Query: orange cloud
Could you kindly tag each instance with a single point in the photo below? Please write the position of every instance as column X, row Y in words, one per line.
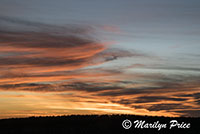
column 51, row 70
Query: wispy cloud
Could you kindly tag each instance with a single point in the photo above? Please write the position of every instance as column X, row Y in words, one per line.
column 61, row 61
column 48, row 48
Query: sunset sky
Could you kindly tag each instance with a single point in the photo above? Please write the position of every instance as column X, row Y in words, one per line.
column 99, row 57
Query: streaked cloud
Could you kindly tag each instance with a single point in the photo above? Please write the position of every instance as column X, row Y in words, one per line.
column 61, row 69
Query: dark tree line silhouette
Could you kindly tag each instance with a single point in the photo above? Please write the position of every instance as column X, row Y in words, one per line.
column 94, row 124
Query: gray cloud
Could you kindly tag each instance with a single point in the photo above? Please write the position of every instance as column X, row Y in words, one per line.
column 146, row 99
column 195, row 96
column 189, row 113
column 168, row 107
column 177, row 68
column 91, row 87
column 161, row 84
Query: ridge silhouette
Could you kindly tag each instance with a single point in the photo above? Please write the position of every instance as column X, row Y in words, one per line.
column 94, row 124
